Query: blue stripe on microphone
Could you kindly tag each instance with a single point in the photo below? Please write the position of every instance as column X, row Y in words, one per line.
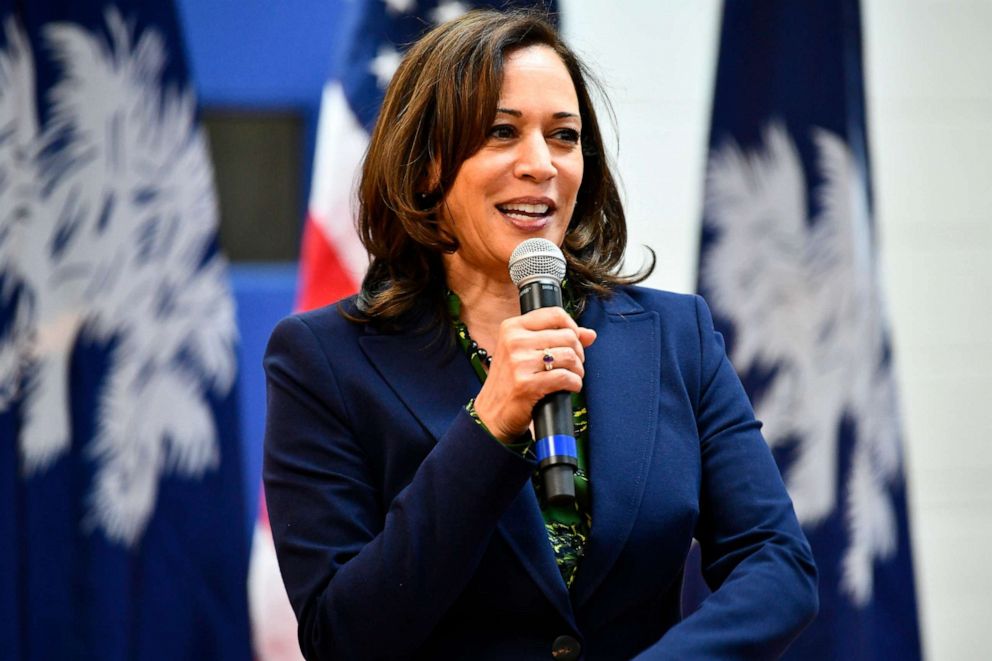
column 557, row 445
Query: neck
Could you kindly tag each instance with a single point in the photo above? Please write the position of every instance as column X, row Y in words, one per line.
column 486, row 303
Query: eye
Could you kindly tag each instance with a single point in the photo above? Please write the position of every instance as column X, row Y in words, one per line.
column 567, row 135
column 502, row 132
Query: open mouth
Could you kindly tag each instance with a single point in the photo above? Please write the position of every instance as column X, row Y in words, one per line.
column 526, row 212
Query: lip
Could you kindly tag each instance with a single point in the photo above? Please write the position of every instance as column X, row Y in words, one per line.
column 529, row 225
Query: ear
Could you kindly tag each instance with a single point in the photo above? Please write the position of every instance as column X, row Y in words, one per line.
column 433, row 182
column 428, row 192
column 427, row 200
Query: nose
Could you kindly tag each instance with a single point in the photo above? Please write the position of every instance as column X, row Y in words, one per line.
column 534, row 159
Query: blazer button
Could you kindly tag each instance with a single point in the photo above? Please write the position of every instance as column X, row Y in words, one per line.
column 565, row 648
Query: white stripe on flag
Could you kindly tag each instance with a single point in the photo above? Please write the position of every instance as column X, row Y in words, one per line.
column 341, row 144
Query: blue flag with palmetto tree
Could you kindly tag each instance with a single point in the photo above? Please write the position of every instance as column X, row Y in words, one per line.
column 788, row 263
column 122, row 528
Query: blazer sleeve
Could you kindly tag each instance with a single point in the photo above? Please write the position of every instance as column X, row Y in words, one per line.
column 755, row 556
column 369, row 580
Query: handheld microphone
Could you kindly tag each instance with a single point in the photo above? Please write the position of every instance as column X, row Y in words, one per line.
column 537, row 267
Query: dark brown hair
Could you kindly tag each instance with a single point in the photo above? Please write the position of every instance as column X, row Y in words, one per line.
column 437, row 113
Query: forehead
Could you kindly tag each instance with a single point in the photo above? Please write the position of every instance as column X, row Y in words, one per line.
column 537, row 68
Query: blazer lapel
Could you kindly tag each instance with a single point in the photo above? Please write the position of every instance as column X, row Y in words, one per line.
column 432, row 379
column 621, row 390
column 523, row 528
column 434, row 383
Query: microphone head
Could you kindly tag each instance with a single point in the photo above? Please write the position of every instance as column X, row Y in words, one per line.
column 536, row 258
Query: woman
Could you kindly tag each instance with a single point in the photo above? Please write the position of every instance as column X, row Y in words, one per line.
column 397, row 469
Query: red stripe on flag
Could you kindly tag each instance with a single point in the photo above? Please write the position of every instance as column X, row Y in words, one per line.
column 323, row 278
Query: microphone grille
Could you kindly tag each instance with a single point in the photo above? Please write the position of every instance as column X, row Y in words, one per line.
column 534, row 257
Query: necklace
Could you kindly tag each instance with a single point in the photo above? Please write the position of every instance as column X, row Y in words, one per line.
column 471, row 347
column 480, row 358
column 480, row 352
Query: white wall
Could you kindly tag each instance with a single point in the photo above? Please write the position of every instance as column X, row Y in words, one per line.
column 929, row 82
column 930, row 111
column 657, row 60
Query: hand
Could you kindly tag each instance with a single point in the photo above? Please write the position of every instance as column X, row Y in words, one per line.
column 517, row 377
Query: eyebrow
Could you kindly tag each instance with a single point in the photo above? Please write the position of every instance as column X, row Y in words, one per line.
column 517, row 113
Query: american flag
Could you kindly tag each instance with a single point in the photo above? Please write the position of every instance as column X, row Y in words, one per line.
column 369, row 48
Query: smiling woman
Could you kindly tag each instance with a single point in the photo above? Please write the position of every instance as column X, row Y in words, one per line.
column 524, row 179
column 399, row 475
column 445, row 105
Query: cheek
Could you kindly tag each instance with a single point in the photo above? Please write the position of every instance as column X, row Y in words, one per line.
column 577, row 172
column 575, row 180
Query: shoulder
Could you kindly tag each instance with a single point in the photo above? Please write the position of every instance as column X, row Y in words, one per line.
column 682, row 323
column 320, row 330
column 333, row 334
column 676, row 312
column 657, row 300
column 330, row 318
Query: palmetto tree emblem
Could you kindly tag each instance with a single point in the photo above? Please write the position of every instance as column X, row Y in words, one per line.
column 803, row 298
column 107, row 225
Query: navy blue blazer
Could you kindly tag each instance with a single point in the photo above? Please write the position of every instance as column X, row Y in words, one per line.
column 404, row 530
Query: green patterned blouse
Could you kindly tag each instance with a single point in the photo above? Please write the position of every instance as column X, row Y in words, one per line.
column 567, row 527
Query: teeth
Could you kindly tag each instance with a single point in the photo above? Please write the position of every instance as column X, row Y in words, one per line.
column 526, row 208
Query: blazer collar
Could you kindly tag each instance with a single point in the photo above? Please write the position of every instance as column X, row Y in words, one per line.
column 431, row 377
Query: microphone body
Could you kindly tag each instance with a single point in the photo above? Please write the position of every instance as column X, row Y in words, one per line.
column 554, row 431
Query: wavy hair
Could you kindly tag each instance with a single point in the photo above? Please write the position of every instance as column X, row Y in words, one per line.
column 437, row 112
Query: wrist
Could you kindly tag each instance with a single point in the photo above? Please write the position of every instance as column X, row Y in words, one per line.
column 500, row 435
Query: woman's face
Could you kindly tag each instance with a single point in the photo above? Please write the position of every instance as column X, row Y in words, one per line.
column 524, row 180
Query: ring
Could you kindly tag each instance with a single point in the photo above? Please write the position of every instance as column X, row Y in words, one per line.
column 549, row 360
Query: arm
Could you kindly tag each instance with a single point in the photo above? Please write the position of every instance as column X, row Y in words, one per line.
column 754, row 554
column 368, row 580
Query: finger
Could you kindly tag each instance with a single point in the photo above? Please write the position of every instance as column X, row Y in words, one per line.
column 561, row 337
column 586, row 336
column 530, row 362
column 560, row 358
column 545, row 318
column 556, row 380
column 525, row 342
